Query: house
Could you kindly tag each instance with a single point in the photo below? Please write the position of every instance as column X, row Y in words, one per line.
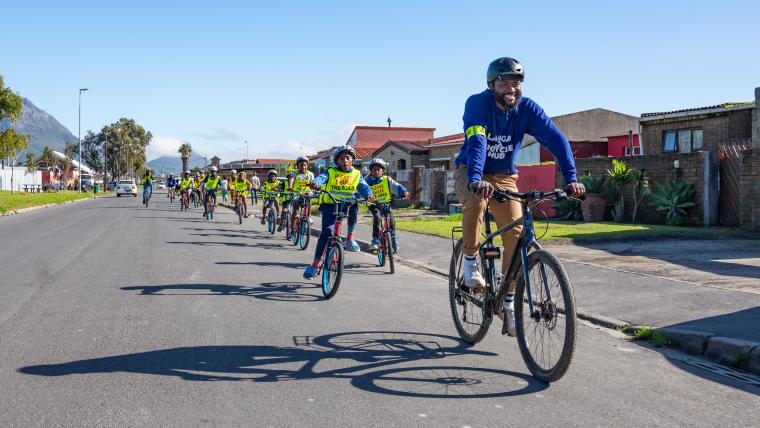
column 401, row 155
column 623, row 145
column 696, row 129
column 442, row 151
column 54, row 173
column 376, row 136
column 587, row 131
column 258, row 167
column 723, row 134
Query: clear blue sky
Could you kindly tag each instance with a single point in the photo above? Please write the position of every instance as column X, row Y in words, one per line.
column 286, row 75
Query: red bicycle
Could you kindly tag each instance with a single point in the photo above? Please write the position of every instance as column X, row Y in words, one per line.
column 302, row 226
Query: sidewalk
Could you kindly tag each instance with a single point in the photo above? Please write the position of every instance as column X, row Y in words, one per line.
column 721, row 323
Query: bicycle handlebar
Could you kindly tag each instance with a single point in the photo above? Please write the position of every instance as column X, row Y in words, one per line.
column 502, row 195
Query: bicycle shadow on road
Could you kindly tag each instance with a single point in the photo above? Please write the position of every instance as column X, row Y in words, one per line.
column 275, row 291
column 365, row 359
column 298, row 266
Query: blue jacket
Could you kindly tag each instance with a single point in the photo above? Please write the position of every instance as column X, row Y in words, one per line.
column 397, row 188
column 363, row 189
column 493, row 137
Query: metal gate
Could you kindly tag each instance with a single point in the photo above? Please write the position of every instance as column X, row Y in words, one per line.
column 729, row 202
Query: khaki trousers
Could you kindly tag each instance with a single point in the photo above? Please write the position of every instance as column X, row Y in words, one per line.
column 473, row 207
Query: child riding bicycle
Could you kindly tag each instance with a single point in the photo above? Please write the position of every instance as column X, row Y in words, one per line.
column 344, row 181
column 272, row 189
column 299, row 182
column 384, row 188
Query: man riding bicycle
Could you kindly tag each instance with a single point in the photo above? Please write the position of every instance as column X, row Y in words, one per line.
column 383, row 187
column 241, row 187
column 171, row 183
column 272, row 189
column 495, row 122
column 298, row 182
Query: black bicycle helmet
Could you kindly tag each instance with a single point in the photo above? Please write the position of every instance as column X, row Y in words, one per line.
column 343, row 149
column 505, row 68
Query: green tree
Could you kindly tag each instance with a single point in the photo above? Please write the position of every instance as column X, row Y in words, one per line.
column 68, row 160
column 619, row 176
column 185, row 150
column 11, row 146
column 118, row 149
column 48, row 158
column 11, row 143
column 31, row 166
column 10, row 103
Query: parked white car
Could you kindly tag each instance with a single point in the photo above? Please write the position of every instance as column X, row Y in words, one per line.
column 161, row 185
column 126, row 187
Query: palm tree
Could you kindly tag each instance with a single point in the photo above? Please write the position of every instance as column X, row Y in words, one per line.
column 185, row 150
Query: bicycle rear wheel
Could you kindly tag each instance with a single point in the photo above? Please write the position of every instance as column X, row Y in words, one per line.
column 382, row 251
column 287, row 226
column 332, row 270
column 547, row 336
column 296, row 233
column 305, row 233
column 239, row 210
column 388, row 247
column 468, row 307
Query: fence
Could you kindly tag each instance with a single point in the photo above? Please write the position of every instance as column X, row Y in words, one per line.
column 20, row 178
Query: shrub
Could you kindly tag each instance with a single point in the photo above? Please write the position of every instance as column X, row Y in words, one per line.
column 673, row 197
column 594, row 185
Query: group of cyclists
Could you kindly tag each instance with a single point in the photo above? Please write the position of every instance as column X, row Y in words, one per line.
column 495, row 124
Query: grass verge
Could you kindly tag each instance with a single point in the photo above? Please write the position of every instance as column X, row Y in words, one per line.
column 19, row 200
column 574, row 231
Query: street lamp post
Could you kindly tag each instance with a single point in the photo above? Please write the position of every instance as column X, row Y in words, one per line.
column 80, row 137
column 105, row 163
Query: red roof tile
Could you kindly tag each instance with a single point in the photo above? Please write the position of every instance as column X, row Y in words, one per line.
column 265, row 160
column 447, row 139
column 364, row 152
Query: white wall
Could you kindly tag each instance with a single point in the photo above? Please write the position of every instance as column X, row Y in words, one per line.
column 20, row 177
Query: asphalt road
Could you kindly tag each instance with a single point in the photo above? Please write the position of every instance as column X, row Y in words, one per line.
column 112, row 314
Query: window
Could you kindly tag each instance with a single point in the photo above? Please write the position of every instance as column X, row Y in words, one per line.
column 402, row 164
column 682, row 140
column 696, row 140
column 669, row 141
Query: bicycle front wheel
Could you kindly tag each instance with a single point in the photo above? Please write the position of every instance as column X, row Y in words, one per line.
column 547, row 335
column 388, row 247
column 468, row 307
column 305, row 233
column 332, row 271
column 271, row 221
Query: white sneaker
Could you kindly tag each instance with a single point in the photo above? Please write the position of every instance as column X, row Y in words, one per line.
column 509, row 322
column 472, row 277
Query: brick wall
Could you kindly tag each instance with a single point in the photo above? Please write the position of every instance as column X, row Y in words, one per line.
column 728, row 125
column 659, row 168
column 393, row 158
column 749, row 184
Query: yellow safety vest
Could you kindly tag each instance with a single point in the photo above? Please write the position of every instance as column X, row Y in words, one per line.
column 271, row 187
column 241, row 186
column 341, row 184
column 382, row 190
column 186, row 183
column 211, row 185
column 302, row 181
column 233, row 183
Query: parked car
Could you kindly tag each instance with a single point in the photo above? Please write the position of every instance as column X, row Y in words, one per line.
column 161, row 185
column 111, row 185
column 126, row 187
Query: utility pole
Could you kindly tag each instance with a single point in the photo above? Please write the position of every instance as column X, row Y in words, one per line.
column 80, row 138
column 105, row 163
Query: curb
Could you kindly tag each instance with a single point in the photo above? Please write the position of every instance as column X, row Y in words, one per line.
column 738, row 353
column 38, row 207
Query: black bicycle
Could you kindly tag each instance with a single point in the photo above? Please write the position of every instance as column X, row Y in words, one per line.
column 545, row 314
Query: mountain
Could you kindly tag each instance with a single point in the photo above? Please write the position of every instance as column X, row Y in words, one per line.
column 43, row 128
column 173, row 165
